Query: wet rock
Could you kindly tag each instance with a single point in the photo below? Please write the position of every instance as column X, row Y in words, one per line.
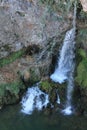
column 53, row 96
column 48, row 110
column 32, row 49
column 10, row 93
column 84, row 4
column 26, row 76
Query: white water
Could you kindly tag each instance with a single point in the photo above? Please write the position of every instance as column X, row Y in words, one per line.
column 34, row 99
column 66, row 66
column 65, row 61
column 58, row 99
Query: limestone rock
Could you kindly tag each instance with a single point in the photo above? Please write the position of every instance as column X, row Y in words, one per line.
column 26, row 76
column 84, row 5
column 26, row 22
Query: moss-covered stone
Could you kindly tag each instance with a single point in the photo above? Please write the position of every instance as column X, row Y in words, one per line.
column 35, row 75
column 81, row 77
column 50, row 88
column 10, row 92
column 47, row 86
column 54, row 89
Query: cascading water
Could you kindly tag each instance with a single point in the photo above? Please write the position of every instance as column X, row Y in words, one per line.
column 34, row 99
column 66, row 58
column 58, row 99
column 66, row 65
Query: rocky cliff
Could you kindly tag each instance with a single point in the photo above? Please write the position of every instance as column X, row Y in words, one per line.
column 31, row 33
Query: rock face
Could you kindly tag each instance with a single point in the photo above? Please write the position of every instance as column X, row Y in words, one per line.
column 84, row 4
column 26, row 22
column 31, row 32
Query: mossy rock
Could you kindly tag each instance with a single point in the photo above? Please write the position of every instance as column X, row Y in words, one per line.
column 82, row 53
column 10, row 92
column 47, row 86
column 11, row 58
column 34, row 75
column 30, row 76
column 13, row 87
column 81, row 77
column 53, row 89
column 53, row 96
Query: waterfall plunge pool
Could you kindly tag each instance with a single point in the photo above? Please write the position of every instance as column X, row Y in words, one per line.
column 12, row 119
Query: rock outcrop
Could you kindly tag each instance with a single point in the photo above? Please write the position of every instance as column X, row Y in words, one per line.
column 26, row 22
column 31, row 33
column 84, row 5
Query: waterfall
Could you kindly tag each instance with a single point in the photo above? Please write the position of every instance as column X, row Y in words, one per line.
column 34, row 99
column 66, row 58
column 65, row 66
column 58, row 99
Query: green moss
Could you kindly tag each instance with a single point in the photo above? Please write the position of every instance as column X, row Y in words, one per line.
column 82, row 36
column 81, row 77
column 10, row 92
column 11, row 58
column 13, row 88
column 52, row 89
column 83, row 15
column 34, row 75
column 82, row 53
column 46, row 86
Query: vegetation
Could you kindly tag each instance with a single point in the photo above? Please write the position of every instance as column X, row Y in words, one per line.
column 61, row 5
column 13, row 88
column 11, row 58
column 34, row 75
column 64, row 7
column 53, row 89
column 47, row 86
column 83, row 38
column 83, row 15
column 10, row 92
column 81, row 77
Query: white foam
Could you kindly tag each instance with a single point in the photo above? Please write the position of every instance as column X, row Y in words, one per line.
column 60, row 78
column 58, row 99
column 34, row 99
column 65, row 67
column 66, row 57
column 67, row 110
